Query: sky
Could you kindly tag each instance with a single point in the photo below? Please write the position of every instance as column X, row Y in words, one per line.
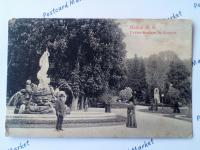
column 147, row 37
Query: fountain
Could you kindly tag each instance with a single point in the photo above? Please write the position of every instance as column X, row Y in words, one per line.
column 36, row 99
column 44, row 93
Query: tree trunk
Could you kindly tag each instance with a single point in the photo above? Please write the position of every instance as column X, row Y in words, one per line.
column 86, row 104
column 82, row 102
column 75, row 103
column 190, row 110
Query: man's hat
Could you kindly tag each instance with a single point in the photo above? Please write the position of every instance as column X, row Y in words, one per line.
column 61, row 93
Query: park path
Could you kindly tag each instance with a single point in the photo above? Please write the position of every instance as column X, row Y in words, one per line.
column 148, row 125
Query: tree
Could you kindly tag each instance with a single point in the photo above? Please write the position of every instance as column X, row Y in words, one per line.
column 125, row 94
column 88, row 53
column 136, row 77
column 173, row 94
column 177, row 73
column 28, row 38
column 155, row 74
column 75, row 84
column 178, row 76
column 102, row 57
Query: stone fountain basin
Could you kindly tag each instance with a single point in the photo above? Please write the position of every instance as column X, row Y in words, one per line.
column 75, row 119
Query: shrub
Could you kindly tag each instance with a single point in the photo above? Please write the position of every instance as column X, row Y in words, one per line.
column 106, row 98
column 125, row 94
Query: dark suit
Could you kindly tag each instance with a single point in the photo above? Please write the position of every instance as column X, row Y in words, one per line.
column 60, row 113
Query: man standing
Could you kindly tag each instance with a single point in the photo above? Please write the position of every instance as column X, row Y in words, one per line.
column 60, row 109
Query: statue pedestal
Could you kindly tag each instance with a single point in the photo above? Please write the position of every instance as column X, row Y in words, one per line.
column 42, row 102
column 42, row 96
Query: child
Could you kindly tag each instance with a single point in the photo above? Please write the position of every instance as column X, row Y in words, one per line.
column 60, row 109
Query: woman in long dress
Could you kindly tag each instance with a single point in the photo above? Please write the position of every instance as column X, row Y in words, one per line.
column 131, row 118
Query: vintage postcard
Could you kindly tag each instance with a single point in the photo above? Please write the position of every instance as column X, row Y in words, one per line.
column 99, row 78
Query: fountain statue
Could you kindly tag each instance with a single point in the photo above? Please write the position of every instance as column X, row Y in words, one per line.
column 36, row 98
column 42, row 74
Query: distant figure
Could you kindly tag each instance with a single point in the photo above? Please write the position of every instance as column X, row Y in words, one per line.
column 176, row 107
column 131, row 121
column 132, row 99
column 61, row 109
column 34, row 87
column 29, row 90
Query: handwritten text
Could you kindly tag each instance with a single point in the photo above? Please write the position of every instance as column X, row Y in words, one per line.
column 176, row 15
column 198, row 117
column 21, row 146
column 145, row 145
column 53, row 11
column 196, row 5
column 195, row 62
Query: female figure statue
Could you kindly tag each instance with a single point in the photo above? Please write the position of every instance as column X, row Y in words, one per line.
column 42, row 74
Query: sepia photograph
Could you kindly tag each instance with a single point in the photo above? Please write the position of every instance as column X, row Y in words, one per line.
column 116, row 78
